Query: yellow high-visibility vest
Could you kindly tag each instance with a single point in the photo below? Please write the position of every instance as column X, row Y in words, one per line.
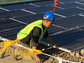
column 26, row 31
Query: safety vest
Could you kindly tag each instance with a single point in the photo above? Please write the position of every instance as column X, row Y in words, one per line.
column 26, row 31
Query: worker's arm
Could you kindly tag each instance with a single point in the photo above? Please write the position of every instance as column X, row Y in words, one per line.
column 36, row 56
column 35, row 34
column 50, row 40
column 46, row 36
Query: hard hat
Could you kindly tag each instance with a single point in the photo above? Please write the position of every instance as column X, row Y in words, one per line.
column 50, row 16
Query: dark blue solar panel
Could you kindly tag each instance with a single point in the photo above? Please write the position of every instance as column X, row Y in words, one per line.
column 17, row 7
column 43, row 4
column 11, row 14
column 31, row 18
column 70, row 22
column 80, row 1
column 2, row 11
column 69, row 5
column 70, row 40
column 42, row 9
column 67, row 1
column 82, row 6
column 11, row 33
column 82, row 14
column 8, row 24
column 53, row 29
column 70, row 12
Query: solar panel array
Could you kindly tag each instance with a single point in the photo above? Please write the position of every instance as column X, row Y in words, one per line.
column 68, row 29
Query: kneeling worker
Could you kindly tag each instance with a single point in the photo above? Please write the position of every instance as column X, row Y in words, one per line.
column 32, row 33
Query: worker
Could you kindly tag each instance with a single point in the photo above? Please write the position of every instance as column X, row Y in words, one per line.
column 55, row 4
column 32, row 33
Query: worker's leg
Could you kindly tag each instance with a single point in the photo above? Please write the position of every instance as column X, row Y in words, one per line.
column 27, row 57
column 15, row 50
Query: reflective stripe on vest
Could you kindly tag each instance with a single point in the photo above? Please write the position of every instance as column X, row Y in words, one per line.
column 26, row 31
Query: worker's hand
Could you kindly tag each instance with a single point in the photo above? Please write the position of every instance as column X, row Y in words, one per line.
column 57, row 44
column 54, row 8
column 37, row 59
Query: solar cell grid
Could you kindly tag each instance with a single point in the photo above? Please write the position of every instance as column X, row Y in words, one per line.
column 11, row 14
column 69, row 39
column 8, row 24
column 70, row 22
column 43, row 4
column 82, row 7
column 1, row 11
column 80, row 1
column 53, row 29
column 69, row 5
column 65, row 1
column 70, row 12
column 18, row 7
column 82, row 14
column 42, row 9
column 30, row 18
column 11, row 33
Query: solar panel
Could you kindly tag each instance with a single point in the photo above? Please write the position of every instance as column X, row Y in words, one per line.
column 11, row 33
column 69, row 5
column 2, row 10
column 70, row 22
column 42, row 9
column 43, row 4
column 30, row 18
column 69, row 12
column 65, row 1
column 53, row 29
column 82, row 14
column 70, row 40
column 8, row 24
column 80, row 1
column 82, row 7
column 13, row 14
column 18, row 7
